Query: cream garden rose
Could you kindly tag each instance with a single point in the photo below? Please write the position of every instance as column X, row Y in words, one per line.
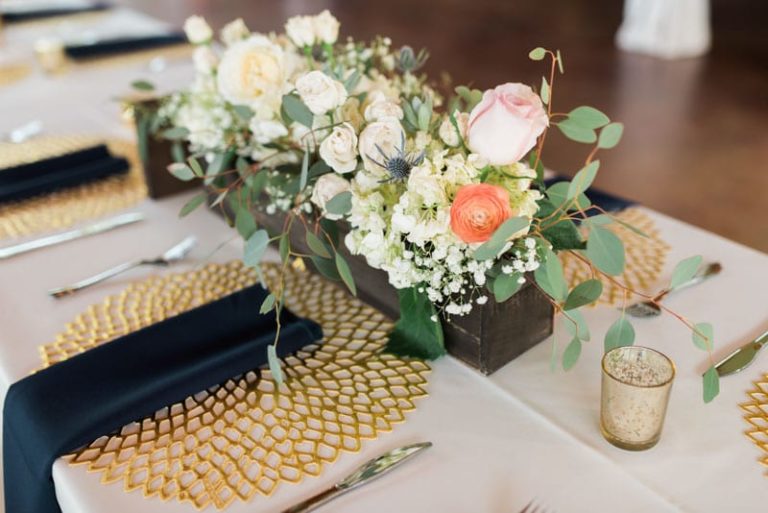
column 197, row 30
column 382, row 107
column 320, row 92
column 234, row 31
column 326, row 187
column 252, row 72
column 301, row 30
column 339, row 150
column 504, row 126
column 326, row 27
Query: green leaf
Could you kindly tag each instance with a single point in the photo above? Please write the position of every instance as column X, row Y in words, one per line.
column 537, row 54
column 606, row 251
column 284, row 247
column 685, row 270
column 610, row 136
column 192, row 204
column 544, row 91
column 346, row 274
column 340, row 204
column 304, row 170
column 318, row 168
column 619, row 334
column 471, row 96
column 268, row 304
column 243, row 112
column 142, row 85
column 557, row 193
column 255, row 247
column 583, row 179
column 559, row 62
column 297, row 111
column 326, row 267
column 243, row 167
column 571, row 354
column 707, row 341
column 581, row 329
column 245, row 223
column 274, row 364
column 588, row 117
column 176, row 133
column 425, row 114
column 584, row 294
column 181, row 171
column 505, row 286
column 351, row 82
column 177, row 152
column 711, row 384
column 563, row 235
column 576, row 132
column 549, row 276
column 492, row 247
column 415, row 334
column 317, row 246
column 195, row 166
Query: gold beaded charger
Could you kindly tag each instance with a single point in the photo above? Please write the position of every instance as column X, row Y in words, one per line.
column 756, row 415
column 64, row 208
column 645, row 257
column 246, row 437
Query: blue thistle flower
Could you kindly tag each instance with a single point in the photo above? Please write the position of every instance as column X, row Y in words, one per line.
column 400, row 164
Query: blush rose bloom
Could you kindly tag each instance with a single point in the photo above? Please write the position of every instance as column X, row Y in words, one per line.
column 504, row 126
column 478, row 210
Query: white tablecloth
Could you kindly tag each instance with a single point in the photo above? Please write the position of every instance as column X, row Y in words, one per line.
column 500, row 441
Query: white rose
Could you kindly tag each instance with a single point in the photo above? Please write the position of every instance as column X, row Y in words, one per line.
column 197, row 30
column 339, row 150
column 448, row 132
column 252, row 73
column 266, row 131
column 387, row 135
column 234, row 31
column 350, row 112
column 382, row 107
column 205, row 60
column 326, row 187
column 320, row 92
column 326, row 27
column 301, row 30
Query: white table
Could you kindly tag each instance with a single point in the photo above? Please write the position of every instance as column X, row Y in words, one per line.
column 499, row 441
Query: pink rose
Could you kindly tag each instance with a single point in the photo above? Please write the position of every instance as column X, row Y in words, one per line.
column 504, row 126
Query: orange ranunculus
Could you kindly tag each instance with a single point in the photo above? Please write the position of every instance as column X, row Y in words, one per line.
column 478, row 210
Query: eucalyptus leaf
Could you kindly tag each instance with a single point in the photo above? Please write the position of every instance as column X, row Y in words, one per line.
column 255, row 247
column 549, row 276
column 142, row 85
column 492, row 247
column 284, row 247
column 505, row 286
column 685, row 270
column 304, row 170
column 560, row 65
column 557, row 193
column 346, row 274
column 588, row 117
column 621, row 333
column 544, row 91
column 711, row 384
column 243, row 112
column 340, row 204
column 610, row 136
column 243, row 167
column 415, row 334
column 576, row 132
column 571, row 353
column 537, row 54
column 326, row 267
column 297, row 110
column 583, row 179
column 580, row 329
column 317, row 246
column 192, row 204
column 176, row 133
column 705, row 342
column 267, row 304
column 195, row 166
column 274, row 364
column 584, row 294
column 181, row 171
column 606, row 251
column 245, row 223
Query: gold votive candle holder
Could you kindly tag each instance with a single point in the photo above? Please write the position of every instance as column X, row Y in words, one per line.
column 635, row 392
column 50, row 54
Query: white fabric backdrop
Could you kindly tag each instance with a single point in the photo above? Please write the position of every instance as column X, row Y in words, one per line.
column 499, row 441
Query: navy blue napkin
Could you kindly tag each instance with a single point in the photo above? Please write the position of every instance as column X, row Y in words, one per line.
column 49, row 175
column 106, row 47
column 12, row 16
column 72, row 403
column 604, row 200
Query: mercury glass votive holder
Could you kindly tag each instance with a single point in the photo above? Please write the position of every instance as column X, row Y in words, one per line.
column 50, row 54
column 635, row 392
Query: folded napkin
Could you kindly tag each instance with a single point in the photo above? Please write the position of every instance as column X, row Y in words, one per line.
column 23, row 13
column 51, row 174
column 118, row 45
column 75, row 401
column 606, row 201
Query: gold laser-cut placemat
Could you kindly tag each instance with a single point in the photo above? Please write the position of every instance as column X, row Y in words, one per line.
column 645, row 257
column 243, row 439
column 67, row 207
column 756, row 415
column 12, row 73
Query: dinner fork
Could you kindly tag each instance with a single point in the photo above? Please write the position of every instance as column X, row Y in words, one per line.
column 176, row 253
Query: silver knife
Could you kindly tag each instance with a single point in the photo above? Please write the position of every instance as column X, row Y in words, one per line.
column 366, row 473
column 85, row 231
column 742, row 357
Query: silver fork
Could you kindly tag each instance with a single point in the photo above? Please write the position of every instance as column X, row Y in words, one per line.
column 532, row 507
column 650, row 309
column 176, row 253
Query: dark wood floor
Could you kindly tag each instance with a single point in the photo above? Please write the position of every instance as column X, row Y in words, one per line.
column 696, row 138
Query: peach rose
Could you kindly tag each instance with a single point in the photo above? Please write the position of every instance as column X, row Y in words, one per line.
column 478, row 210
column 504, row 126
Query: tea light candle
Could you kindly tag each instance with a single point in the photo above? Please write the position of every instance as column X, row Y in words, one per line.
column 635, row 391
column 50, row 54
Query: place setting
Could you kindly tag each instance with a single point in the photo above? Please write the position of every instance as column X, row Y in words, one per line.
column 324, row 276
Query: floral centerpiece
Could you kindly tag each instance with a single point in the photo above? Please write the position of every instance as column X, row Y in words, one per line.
column 444, row 193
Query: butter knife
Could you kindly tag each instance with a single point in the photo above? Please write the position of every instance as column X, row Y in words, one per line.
column 371, row 470
column 85, row 231
column 742, row 357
